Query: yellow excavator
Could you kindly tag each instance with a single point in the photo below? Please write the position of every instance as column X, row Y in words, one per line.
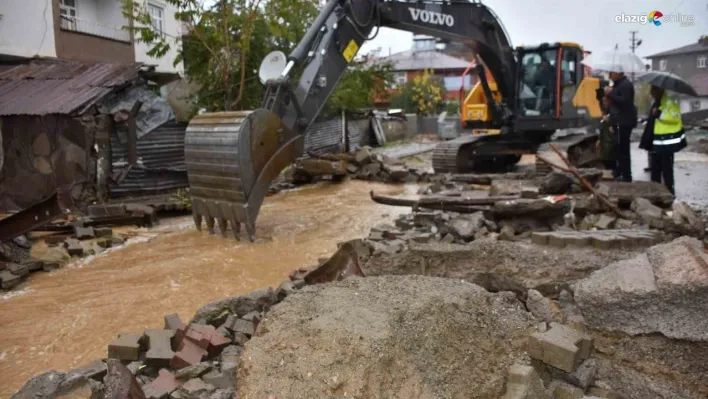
column 531, row 92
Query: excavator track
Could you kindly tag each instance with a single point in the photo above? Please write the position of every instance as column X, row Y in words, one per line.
column 232, row 157
column 475, row 153
column 447, row 156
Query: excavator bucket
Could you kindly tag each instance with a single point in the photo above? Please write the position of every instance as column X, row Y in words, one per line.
column 232, row 157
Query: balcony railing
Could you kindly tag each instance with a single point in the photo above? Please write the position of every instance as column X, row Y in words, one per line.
column 93, row 28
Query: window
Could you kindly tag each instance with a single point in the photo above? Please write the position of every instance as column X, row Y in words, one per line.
column 401, row 78
column 67, row 12
column 702, row 61
column 695, row 105
column 156, row 17
column 662, row 65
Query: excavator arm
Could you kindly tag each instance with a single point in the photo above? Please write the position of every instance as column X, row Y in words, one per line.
column 232, row 158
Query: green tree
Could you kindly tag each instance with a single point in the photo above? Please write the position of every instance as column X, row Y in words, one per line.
column 360, row 85
column 225, row 43
column 422, row 95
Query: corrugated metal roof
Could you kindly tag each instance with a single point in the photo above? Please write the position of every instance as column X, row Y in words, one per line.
column 44, row 87
column 691, row 48
column 418, row 60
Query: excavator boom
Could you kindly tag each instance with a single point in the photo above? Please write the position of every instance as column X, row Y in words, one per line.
column 233, row 157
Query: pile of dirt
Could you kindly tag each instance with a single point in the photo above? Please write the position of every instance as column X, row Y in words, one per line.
column 407, row 337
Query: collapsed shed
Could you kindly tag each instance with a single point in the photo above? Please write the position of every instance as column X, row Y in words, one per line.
column 66, row 126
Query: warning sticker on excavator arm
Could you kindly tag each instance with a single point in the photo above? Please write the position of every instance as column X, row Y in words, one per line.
column 350, row 51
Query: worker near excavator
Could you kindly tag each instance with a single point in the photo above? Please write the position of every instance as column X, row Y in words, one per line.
column 668, row 136
column 623, row 118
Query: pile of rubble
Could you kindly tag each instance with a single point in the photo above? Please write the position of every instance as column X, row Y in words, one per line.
column 362, row 164
column 83, row 236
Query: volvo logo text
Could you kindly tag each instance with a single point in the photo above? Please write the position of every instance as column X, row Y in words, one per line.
column 431, row 17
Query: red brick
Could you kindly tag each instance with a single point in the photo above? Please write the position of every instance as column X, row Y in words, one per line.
column 173, row 322
column 197, row 337
column 189, row 354
column 163, row 385
column 218, row 342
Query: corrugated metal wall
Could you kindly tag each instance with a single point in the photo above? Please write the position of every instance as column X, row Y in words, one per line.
column 162, row 155
column 327, row 137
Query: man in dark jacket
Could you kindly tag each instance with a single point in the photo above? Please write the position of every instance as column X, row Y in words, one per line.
column 623, row 118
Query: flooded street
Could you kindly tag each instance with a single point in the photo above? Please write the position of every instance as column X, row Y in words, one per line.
column 65, row 319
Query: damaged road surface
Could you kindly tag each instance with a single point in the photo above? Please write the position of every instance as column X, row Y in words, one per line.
column 65, row 319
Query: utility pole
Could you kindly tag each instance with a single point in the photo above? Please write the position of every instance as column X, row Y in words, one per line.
column 635, row 43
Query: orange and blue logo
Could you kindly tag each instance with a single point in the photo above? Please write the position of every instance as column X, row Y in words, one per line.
column 654, row 17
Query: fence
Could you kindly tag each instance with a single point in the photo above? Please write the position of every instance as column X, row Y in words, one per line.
column 74, row 24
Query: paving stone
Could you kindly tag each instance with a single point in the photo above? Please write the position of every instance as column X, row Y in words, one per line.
column 173, row 322
column 197, row 338
column 524, row 383
column 18, row 270
column 95, row 370
column 218, row 342
column 103, row 231
column 540, row 238
column 84, row 233
column 9, row 280
column 73, row 246
column 566, row 391
column 33, row 265
column 50, row 266
column 188, row 354
column 252, row 315
column 126, row 347
column 162, row 386
column 159, row 343
column 106, row 210
column 561, row 347
column 238, row 325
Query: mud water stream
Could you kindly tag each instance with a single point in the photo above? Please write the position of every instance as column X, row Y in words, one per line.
column 65, row 319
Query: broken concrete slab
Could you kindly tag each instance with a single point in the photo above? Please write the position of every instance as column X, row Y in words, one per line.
column 604, row 239
column 8, row 280
column 33, row 265
column 542, row 308
column 126, row 347
column 101, row 232
column 506, row 187
column 465, row 226
column 561, row 347
column 664, row 290
column 159, row 343
column 218, row 379
column 95, row 370
column 18, row 270
column 625, row 192
column 194, row 371
column 539, row 208
column 74, row 247
column 240, row 305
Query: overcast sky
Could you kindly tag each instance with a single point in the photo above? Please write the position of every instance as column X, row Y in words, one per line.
column 591, row 23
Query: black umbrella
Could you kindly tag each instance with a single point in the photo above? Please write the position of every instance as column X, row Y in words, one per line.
column 668, row 81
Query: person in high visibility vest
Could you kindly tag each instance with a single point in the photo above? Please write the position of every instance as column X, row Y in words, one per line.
column 669, row 137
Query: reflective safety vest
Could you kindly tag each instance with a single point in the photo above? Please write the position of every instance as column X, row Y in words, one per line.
column 669, row 135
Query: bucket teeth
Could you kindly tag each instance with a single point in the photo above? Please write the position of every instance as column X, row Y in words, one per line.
column 197, row 221
column 210, row 224
column 222, row 226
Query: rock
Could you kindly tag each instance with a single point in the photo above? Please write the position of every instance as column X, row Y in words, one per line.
column 465, row 226
column 524, row 383
column 687, row 220
column 195, row 388
column 240, row 305
column 22, row 242
column 562, row 390
column 623, row 224
column 542, row 308
column 163, row 385
column 448, row 239
column 506, row 187
column 120, row 382
column 218, row 379
column 103, row 232
column 605, row 221
column 223, row 394
column 571, row 311
column 646, row 210
column 194, row 371
column 664, row 290
column 95, row 370
column 470, row 325
column 556, row 183
column 286, row 288
column 55, row 384
column 363, row 156
column 507, row 233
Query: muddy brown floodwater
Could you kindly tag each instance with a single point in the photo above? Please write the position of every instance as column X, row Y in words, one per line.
column 65, row 319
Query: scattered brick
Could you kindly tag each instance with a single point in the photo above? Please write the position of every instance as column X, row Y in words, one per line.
column 524, row 383
column 162, row 386
column 126, row 347
column 218, row 342
column 103, row 232
column 84, row 233
column 9, row 280
column 189, row 354
column 561, row 347
column 173, row 322
column 106, row 210
column 18, row 270
column 33, row 265
column 73, row 246
column 159, row 343
column 198, row 337
column 50, row 266
column 242, row 326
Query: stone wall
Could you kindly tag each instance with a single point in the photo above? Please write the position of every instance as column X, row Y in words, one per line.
column 43, row 153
